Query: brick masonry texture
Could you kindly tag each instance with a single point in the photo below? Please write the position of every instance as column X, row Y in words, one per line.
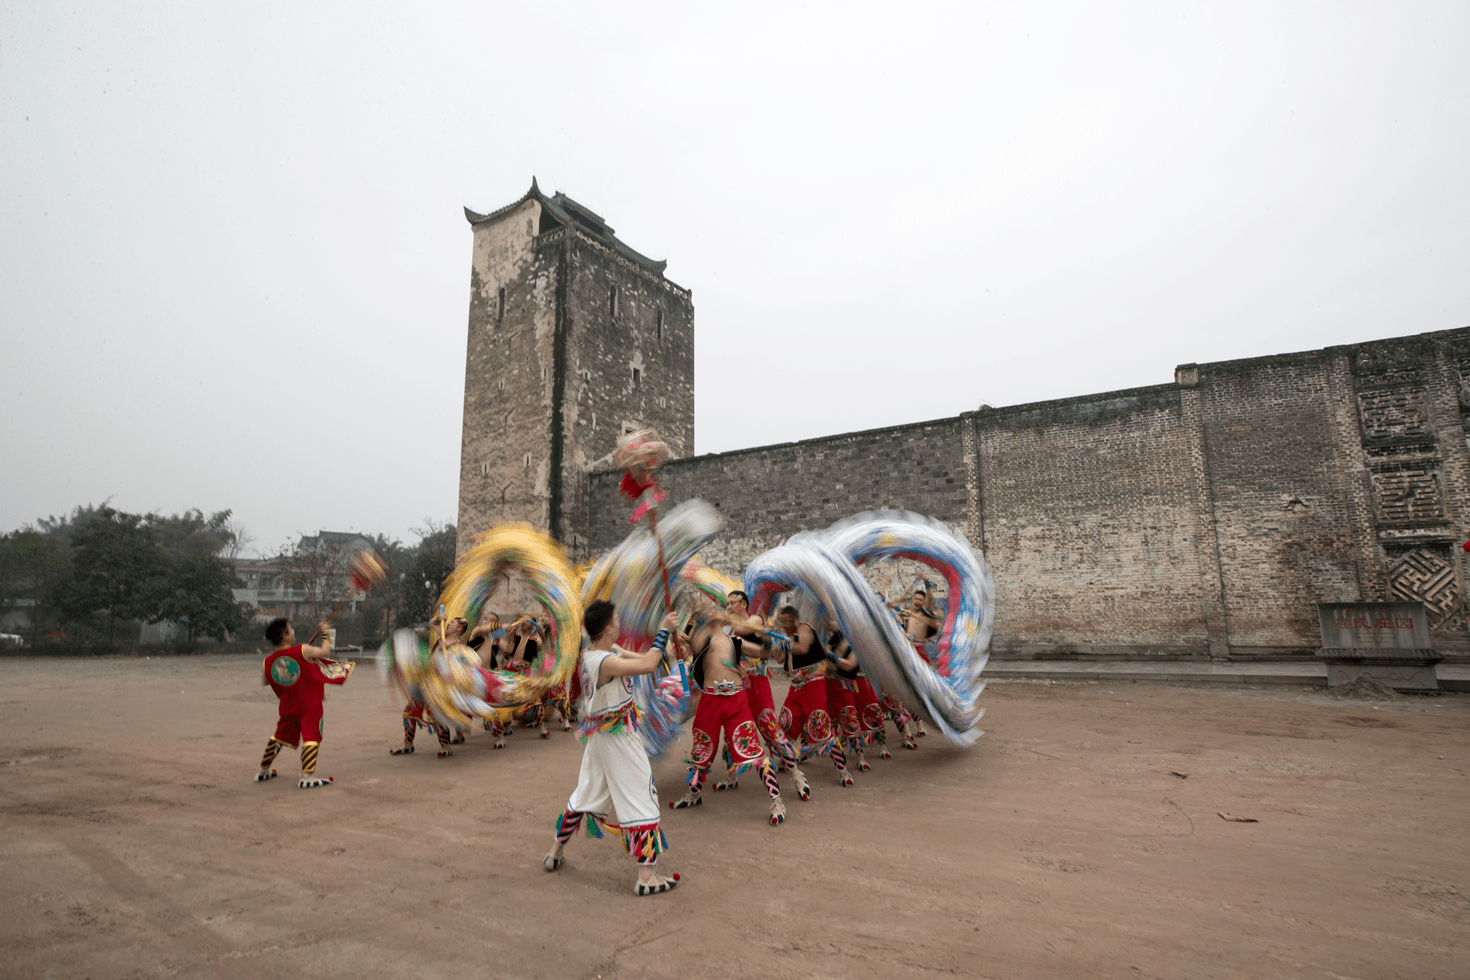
column 1200, row 518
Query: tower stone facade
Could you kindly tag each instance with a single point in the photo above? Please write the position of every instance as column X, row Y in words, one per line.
column 574, row 339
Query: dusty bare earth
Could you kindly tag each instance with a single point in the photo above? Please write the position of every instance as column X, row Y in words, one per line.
column 1080, row 838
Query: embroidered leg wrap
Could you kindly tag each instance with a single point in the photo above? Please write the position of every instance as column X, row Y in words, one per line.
column 839, row 758
column 443, row 733
column 566, row 825
column 308, row 758
column 645, row 844
column 408, row 730
column 697, row 776
column 768, row 776
column 271, row 748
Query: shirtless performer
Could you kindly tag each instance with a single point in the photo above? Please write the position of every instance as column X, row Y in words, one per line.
column 919, row 624
column 805, row 714
column 754, row 663
column 723, row 704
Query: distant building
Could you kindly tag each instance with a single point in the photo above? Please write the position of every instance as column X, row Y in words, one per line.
column 574, row 340
column 273, row 589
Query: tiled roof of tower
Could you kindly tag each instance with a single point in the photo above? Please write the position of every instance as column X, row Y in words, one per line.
column 565, row 211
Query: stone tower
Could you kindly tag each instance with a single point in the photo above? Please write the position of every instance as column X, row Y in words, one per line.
column 574, row 339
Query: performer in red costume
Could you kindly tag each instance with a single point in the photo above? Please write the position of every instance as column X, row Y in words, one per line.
column 723, row 705
column 754, row 664
column 842, row 696
column 805, row 713
column 297, row 673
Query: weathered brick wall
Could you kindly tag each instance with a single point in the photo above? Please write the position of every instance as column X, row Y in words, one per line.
column 772, row 492
column 1280, row 497
column 652, row 333
column 505, row 442
column 1089, row 526
column 1205, row 517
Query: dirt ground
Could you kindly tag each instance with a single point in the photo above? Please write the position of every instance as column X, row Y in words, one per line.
column 1079, row 838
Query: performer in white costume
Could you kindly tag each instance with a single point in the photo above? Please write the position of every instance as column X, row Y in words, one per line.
column 616, row 780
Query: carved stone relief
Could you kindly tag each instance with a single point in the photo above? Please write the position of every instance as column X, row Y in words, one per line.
column 1428, row 575
column 1395, row 413
column 1409, row 494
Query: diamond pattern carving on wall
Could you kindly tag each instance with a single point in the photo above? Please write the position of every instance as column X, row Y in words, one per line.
column 1428, row 576
column 1409, row 494
column 1394, row 414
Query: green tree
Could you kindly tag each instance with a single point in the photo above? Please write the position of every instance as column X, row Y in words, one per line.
column 118, row 569
column 199, row 594
column 433, row 560
column 192, row 533
column 34, row 572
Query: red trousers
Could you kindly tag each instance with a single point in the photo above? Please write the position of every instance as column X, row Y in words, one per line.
column 730, row 712
column 805, row 713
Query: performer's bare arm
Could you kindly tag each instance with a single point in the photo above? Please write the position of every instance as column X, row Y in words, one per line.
column 320, row 652
column 638, row 663
column 802, row 642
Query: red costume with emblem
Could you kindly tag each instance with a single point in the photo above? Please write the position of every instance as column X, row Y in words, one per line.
column 300, row 685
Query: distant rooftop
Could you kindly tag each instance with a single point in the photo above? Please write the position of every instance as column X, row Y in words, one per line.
column 558, row 211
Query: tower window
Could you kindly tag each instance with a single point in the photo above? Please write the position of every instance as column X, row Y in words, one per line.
column 658, row 324
column 637, row 377
column 500, row 306
column 612, row 301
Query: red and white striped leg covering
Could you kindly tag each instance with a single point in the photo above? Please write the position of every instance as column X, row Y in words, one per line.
column 567, row 824
column 768, row 776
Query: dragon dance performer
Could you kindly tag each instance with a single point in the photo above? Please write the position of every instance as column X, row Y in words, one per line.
column 842, row 694
column 415, row 714
column 919, row 625
column 616, row 778
column 724, row 705
column 754, row 664
column 297, row 672
column 805, row 714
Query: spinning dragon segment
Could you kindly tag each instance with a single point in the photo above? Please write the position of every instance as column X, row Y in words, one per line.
column 450, row 681
column 630, row 577
column 825, row 565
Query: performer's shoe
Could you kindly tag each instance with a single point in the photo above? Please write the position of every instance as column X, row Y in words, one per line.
column 499, row 744
column 885, row 754
column 545, row 733
column 552, row 863
column 401, row 750
column 922, row 733
column 778, row 812
column 457, row 739
column 729, row 782
column 803, row 787
column 566, row 726
column 686, row 801
column 445, row 753
column 313, row 782
column 843, row 779
column 665, row 885
column 262, row 776
column 909, row 743
column 863, row 765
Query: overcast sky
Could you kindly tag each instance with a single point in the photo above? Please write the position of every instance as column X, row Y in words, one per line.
column 234, row 265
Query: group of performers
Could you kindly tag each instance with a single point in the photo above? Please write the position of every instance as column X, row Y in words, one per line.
column 632, row 694
column 830, row 709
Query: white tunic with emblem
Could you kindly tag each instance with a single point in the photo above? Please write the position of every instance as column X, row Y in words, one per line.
column 616, row 778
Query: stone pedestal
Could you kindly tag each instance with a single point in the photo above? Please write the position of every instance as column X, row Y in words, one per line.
column 1387, row 641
